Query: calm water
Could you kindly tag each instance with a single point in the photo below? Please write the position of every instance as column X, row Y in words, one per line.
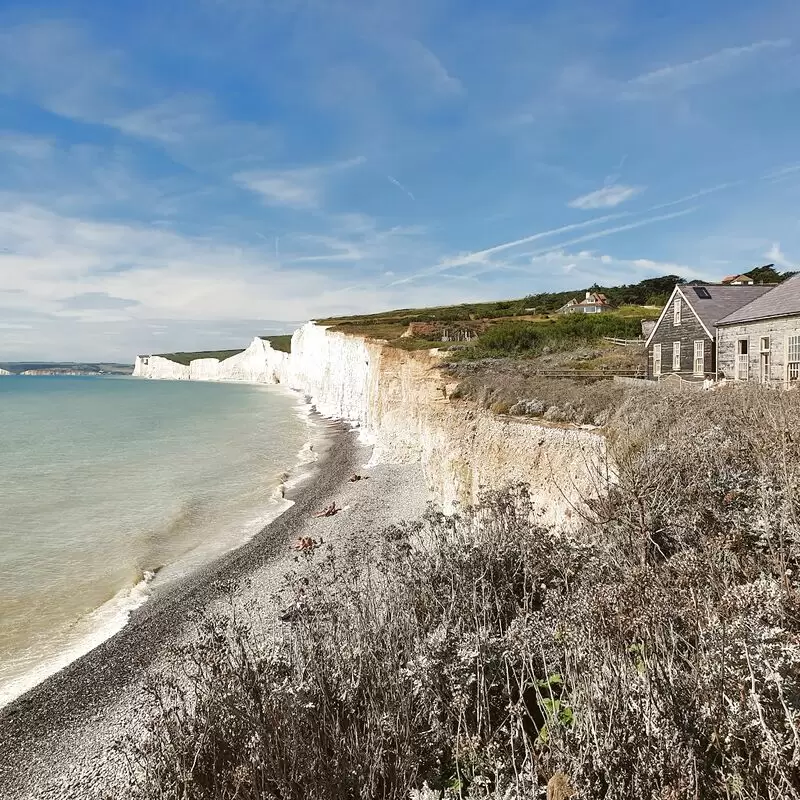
column 104, row 481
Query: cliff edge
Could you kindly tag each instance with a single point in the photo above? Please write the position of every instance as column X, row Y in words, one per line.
column 401, row 402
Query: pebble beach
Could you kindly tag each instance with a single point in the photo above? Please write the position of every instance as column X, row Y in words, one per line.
column 58, row 740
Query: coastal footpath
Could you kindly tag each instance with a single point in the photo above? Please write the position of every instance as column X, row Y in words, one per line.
column 403, row 406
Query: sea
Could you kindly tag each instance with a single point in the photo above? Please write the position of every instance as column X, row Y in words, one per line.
column 112, row 486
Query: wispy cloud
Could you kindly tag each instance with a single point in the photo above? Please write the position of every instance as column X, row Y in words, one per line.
column 483, row 262
column 597, row 235
column 25, row 146
column 777, row 256
column 431, row 71
column 400, row 186
column 676, row 77
column 294, row 188
column 695, row 195
column 607, row 197
column 782, row 173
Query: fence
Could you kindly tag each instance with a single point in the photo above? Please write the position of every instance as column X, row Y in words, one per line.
column 625, row 342
column 590, row 373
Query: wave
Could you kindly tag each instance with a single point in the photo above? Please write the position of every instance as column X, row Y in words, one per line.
column 159, row 559
column 85, row 635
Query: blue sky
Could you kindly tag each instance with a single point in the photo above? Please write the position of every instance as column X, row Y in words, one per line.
column 181, row 174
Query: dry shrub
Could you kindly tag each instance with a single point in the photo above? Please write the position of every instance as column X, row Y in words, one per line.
column 522, row 392
column 656, row 655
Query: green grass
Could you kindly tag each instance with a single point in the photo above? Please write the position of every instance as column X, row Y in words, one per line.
column 523, row 338
column 186, row 358
column 282, row 342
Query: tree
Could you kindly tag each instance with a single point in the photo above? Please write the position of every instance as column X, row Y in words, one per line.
column 766, row 274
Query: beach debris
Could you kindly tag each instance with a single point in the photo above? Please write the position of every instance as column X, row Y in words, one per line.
column 356, row 477
column 329, row 511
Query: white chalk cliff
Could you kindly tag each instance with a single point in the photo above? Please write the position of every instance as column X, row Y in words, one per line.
column 5, row 372
column 400, row 401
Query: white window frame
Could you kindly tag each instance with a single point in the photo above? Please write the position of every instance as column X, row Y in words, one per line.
column 793, row 358
column 765, row 359
column 657, row 360
column 676, row 356
column 742, row 360
column 699, row 358
column 677, row 309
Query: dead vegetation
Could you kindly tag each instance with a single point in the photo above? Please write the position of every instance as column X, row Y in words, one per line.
column 508, row 386
column 654, row 655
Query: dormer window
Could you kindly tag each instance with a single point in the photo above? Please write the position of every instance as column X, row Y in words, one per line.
column 676, row 312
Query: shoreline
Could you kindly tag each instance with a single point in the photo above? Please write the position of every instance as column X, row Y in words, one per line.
column 41, row 730
column 117, row 611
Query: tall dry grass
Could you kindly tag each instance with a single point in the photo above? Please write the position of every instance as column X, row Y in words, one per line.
column 654, row 655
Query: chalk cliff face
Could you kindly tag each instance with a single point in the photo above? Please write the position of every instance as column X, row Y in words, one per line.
column 259, row 363
column 4, row 372
column 400, row 401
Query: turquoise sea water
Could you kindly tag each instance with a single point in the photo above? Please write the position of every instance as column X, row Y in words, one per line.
column 105, row 481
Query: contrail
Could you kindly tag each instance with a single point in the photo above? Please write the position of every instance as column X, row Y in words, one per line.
column 400, row 186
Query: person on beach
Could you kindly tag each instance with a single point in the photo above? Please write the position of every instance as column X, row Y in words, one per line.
column 329, row 511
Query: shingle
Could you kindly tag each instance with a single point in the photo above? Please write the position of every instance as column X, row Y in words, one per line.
column 782, row 300
column 722, row 300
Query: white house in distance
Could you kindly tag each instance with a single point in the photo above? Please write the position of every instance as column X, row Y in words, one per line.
column 761, row 340
column 593, row 303
column 737, row 280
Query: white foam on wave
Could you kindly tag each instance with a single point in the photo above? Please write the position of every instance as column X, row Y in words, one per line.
column 104, row 622
column 89, row 632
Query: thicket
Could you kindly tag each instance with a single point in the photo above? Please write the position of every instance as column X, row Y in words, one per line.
column 567, row 332
column 653, row 653
column 651, row 291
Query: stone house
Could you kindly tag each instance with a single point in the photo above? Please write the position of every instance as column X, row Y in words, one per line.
column 683, row 340
column 760, row 341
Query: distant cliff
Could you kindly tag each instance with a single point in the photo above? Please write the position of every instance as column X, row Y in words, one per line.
column 401, row 402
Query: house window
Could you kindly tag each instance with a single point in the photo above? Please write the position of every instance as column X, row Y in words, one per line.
column 699, row 357
column 676, row 312
column 742, row 360
column 656, row 360
column 764, row 360
column 793, row 358
column 676, row 355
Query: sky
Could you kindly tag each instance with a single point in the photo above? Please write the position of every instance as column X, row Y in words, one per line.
column 185, row 174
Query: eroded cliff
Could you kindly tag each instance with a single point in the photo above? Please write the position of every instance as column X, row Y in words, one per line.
column 401, row 402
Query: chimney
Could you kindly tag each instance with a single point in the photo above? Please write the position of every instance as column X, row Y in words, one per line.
column 588, row 295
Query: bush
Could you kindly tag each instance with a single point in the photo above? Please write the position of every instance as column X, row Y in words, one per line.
column 567, row 332
column 655, row 654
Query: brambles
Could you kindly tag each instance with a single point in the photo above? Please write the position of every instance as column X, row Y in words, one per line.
column 655, row 655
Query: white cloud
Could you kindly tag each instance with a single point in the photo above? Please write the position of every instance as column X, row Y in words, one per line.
column 294, row 188
column 607, row 197
column 777, row 257
column 432, row 73
column 676, row 77
column 25, row 146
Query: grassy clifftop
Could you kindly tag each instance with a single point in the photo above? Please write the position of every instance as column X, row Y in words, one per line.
column 186, row 358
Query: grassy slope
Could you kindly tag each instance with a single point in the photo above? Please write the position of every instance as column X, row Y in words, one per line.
column 282, row 342
column 185, row 358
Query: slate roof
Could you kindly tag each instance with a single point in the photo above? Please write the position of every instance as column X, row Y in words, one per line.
column 721, row 301
column 782, row 300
